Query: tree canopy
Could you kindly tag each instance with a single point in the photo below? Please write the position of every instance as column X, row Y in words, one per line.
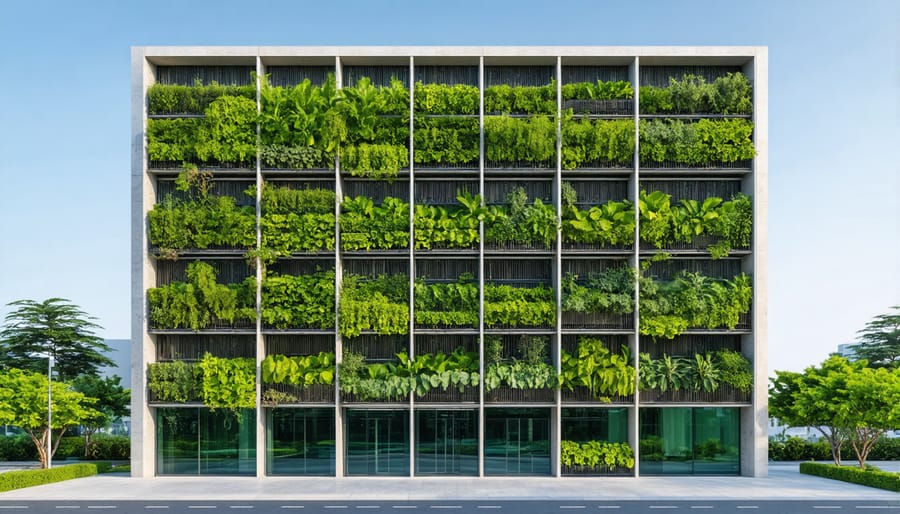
column 23, row 403
column 112, row 403
column 880, row 340
column 55, row 327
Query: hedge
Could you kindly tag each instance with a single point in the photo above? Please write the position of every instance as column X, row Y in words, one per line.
column 103, row 447
column 796, row 448
column 868, row 477
column 19, row 479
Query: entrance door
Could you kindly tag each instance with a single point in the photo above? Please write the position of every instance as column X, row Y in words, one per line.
column 446, row 442
column 377, row 442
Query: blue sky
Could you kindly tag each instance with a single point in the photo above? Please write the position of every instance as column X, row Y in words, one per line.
column 833, row 180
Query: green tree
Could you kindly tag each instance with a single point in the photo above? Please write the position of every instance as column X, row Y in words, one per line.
column 868, row 406
column 880, row 340
column 23, row 403
column 55, row 327
column 112, row 402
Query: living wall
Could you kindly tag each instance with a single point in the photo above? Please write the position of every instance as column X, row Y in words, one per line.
column 217, row 382
column 379, row 304
column 201, row 302
column 437, row 226
column 603, row 373
column 526, row 368
column 609, row 291
column 297, row 220
column 599, row 456
column 367, row 226
column 446, row 304
column 520, row 222
column 731, row 94
column 704, row 372
column 299, row 301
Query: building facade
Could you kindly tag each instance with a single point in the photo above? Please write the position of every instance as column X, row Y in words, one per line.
column 427, row 261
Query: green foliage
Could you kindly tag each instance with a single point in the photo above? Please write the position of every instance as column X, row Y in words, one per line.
column 301, row 123
column 600, row 90
column 796, row 448
column 174, row 382
column 692, row 300
column 505, row 305
column 395, row 380
column 880, row 340
column 172, row 139
column 179, row 99
column 607, row 142
column 449, row 227
column 297, row 220
column 111, row 404
column 735, row 370
column 602, row 372
column 520, row 140
column 301, row 371
column 366, row 226
column 520, row 223
column 530, row 372
column 52, row 327
column 611, row 223
column 521, row 99
column 446, row 99
column 696, row 143
column 301, row 301
column 446, row 141
column 705, row 372
column 376, row 161
column 446, row 304
column 731, row 94
column 31, row 477
column 667, row 373
column 228, row 383
column 228, row 133
column 879, row 479
column 19, row 448
column 294, row 157
column 376, row 147
column 459, row 369
column 201, row 301
column 378, row 304
column 611, row 290
column 596, row 455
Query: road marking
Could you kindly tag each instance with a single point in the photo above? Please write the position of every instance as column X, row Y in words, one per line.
column 13, row 506
column 701, row 506
column 490, row 507
column 446, row 506
column 101, row 506
column 609, row 506
column 68, row 507
column 201, row 506
column 406, row 506
column 335, row 506
column 571, row 506
column 748, row 506
column 827, row 506
column 156, row 506
column 663, row 506
column 240, row 506
column 368, row 506
column 292, row 506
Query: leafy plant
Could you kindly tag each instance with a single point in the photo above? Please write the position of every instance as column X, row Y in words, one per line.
column 611, row 290
column 730, row 94
column 375, row 147
column 446, row 141
column 735, row 370
column 201, row 301
column 446, row 304
column 587, row 142
column 521, row 99
column 611, row 223
column 172, row 139
column 459, row 369
column 174, row 382
column 530, row 372
column 300, row 121
column 520, row 223
column 600, row 90
column 295, row 220
column 596, row 454
column 667, row 373
column 366, row 226
column 302, row 301
column 505, row 305
column 302, row 371
column 446, row 99
column 696, row 144
column 193, row 99
column 602, row 372
column 228, row 383
column 517, row 141
column 228, row 133
column 374, row 381
column 380, row 305
column 453, row 227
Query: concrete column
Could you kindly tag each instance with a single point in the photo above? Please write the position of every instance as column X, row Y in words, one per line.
column 634, row 184
column 412, row 262
column 556, row 418
column 481, row 268
column 338, row 278
column 260, row 343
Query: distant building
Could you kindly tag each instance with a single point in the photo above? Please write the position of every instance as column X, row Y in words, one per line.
column 847, row 350
column 120, row 354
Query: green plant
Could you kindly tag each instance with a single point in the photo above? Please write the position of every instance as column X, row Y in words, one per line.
column 228, row 133
column 596, row 454
column 172, row 139
column 730, row 94
column 429, row 371
column 521, row 99
column 446, row 304
column 301, row 371
column 518, row 222
column 600, row 90
column 366, row 226
column 446, row 141
column 32, row 477
column 446, row 99
column 602, row 372
column 505, row 305
column 878, row 479
column 201, row 301
column 378, row 304
column 705, row 373
column 375, row 147
column 299, row 301
column 530, row 372
column 295, row 220
column 520, row 140
column 174, row 382
column 454, row 227
column 611, row 223
column 193, row 99
column 375, row 381
column 667, row 373
column 611, row 290
column 587, row 142
column 735, row 370
column 696, row 144
column 228, row 383
column 300, row 127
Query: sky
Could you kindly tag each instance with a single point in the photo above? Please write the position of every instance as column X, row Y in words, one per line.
column 834, row 81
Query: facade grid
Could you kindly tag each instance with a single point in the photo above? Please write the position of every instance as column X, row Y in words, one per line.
column 472, row 420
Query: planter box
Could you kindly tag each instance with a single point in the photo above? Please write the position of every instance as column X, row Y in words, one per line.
column 624, row 106
column 724, row 394
column 316, row 393
column 352, row 398
column 593, row 247
column 582, row 395
column 736, row 165
column 449, row 395
column 506, row 394
column 586, row 471
column 597, row 320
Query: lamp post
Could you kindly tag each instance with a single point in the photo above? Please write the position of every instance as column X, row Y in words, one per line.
column 49, row 410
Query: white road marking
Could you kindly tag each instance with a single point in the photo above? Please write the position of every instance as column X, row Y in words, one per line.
column 13, row 506
column 406, row 506
column 68, row 507
column 368, row 507
column 335, row 506
column 827, row 506
column 490, row 507
column 156, row 506
column 663, row 506
column 240, row 506
column 101, row 506
column 446, row 506
column 701, row 506
column 201, row 506
column 609, row 506
column 292, row 506
column 571, row 506
column 748, row 506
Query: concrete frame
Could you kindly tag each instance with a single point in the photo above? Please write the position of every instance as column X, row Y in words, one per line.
column 754, row 62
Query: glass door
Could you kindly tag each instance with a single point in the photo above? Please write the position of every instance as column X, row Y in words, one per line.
column 446, row 442
column 377, row 442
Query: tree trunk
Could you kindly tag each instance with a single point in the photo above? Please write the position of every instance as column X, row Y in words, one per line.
column 88, row 433
column 836, row 438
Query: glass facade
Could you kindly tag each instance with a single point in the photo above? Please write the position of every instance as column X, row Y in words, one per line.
column 447, row 442
column 300, row 442
column 377, row 442
column 201, row 441
column 690, row 441
column 517, row 441
column 584, row 424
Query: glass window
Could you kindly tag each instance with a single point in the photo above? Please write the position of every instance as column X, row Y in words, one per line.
column 300, row 441
column 447, row 442
column 517, row 442
column 685, row 440
column 377, row 442
column 201, row 441
column 585, row 424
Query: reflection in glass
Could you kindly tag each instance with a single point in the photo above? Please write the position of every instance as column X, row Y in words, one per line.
column 447, row 442
column 591, row 424
column 517, row 441
column 300, row 441
column 685, row 440
column 201, row 441
column 377, row 442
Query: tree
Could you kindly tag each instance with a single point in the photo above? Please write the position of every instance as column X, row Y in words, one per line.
column 880, row 340
column 23, row 403
column 844, row 400
column 112, row 402
column 54, row 327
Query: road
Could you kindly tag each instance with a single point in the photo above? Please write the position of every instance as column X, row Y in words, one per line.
column 517, row 507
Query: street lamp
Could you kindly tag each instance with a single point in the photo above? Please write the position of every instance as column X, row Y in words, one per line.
column 49, row 410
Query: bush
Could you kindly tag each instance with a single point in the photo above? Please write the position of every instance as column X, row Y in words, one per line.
column 886, row 449
column 17, row 448
column 796, row 448
column 109, row 448
column 19, row 479
column 70, row 447
column 871, row 478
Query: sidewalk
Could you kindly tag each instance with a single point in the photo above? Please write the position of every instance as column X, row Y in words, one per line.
column 784, row 483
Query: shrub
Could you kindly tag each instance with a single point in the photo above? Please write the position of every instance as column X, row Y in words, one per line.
column 17, row 448
column 871, row 478
column 19, row 479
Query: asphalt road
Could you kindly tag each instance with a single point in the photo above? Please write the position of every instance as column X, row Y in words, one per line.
column 517, row 507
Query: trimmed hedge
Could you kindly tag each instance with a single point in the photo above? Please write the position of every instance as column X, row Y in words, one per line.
column 868, row 477
column 19, row 479
column 103, row 447
column 796, row 448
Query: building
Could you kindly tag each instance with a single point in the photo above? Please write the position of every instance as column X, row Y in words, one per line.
column 847, row 350
column 453, row 195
